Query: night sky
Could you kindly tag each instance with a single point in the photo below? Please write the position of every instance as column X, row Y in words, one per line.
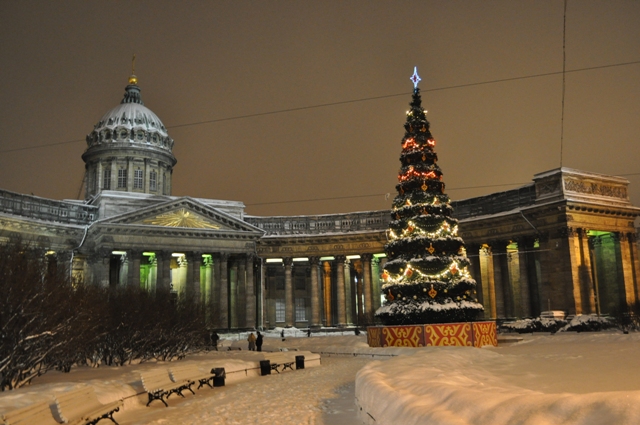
column 232, row 64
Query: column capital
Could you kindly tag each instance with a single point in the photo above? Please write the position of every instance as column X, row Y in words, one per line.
column 314, row 260
column 288, row 261
column 224, row 256
column 366, row 257
column 340, row 258
column 498, row 245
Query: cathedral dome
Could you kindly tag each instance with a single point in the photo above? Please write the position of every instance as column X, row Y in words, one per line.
column 129, row 150
column 131, row 122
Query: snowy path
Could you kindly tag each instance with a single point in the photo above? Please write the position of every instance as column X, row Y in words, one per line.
column 288, row 398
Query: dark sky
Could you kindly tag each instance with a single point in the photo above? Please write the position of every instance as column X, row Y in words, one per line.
column 64, row 64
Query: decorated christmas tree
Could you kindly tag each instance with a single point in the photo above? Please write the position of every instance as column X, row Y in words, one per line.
column 425, row 279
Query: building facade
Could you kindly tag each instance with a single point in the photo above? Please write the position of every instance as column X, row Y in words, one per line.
column 566, row 241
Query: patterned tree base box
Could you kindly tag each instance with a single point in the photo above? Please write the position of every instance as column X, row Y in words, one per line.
column 471, row 334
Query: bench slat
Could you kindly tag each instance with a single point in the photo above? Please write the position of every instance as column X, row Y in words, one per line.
column 38, row 413
column 159, row 386
column 81, row 406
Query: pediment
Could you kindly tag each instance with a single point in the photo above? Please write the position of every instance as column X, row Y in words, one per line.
column 183, row 213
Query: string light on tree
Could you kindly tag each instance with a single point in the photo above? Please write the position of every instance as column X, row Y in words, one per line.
column 426, row 279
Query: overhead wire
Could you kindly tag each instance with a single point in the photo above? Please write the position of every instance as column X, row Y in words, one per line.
column 344, row 102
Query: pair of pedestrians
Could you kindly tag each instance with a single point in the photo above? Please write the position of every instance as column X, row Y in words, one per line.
column 255, row 342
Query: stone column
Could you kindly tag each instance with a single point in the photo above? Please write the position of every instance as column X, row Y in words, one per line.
column 367, row 289
column 625, row 240
column 473, row 254
column 501, row 278
column 376, row 284
column 315, row 293
column 224, row 291
column 113, row 181
column 326, row 267
column 233, row 294
column 340, row 296
column 129, row 174
column 262, row 296
column 195, row 261
column 207, row 296
column 349, row 293
column 635, row 262
column 100, row 267
column 164, row 280
column 99, row 177
column 250, row 293
column 215, row 291
column 134, row 267
column 359, row 289
column 579, row 272
column 289, row 306
column 145, row 180
column 524, row 246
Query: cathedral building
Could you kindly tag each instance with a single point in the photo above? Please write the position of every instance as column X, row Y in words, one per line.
column 566, row 241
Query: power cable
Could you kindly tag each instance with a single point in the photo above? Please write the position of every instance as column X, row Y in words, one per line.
column 344, row 102
column 334, row 198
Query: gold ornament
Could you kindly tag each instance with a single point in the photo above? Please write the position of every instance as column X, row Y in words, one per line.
column 431, row 249
column 424, row 157
column 424, row 186
column 432, row 292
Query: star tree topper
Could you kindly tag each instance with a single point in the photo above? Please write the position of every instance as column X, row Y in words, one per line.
column 415, row 78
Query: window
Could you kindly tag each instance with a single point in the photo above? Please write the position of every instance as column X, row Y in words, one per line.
column 122, row 178
column 301, row 315
column 280, row 310
column 106, row 177
column 137, row 179
column 164, row 183
column 153, row 181
column 94, row 181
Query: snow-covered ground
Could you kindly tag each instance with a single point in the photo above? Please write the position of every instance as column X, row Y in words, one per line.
column 567, row 378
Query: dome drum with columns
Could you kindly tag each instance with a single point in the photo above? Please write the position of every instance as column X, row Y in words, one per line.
column 129, row 149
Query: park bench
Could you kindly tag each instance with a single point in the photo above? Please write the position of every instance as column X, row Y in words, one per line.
column 159, row 386
column 81, row 407
column 280, row 362
column 38, row 413
column 187, row 373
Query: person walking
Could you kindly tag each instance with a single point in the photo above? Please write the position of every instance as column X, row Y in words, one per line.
column 259, row 341
column 252, row 342
column 214, row 340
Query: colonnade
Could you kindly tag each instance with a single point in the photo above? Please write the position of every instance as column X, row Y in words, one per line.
column 321, row 291
column 224, row 283
column 574, row 270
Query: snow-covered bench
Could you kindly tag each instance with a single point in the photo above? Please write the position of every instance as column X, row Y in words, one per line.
column 281, row 360
column 158, row 385
column 191, row 373
column 81, row 407
column 38, row 413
